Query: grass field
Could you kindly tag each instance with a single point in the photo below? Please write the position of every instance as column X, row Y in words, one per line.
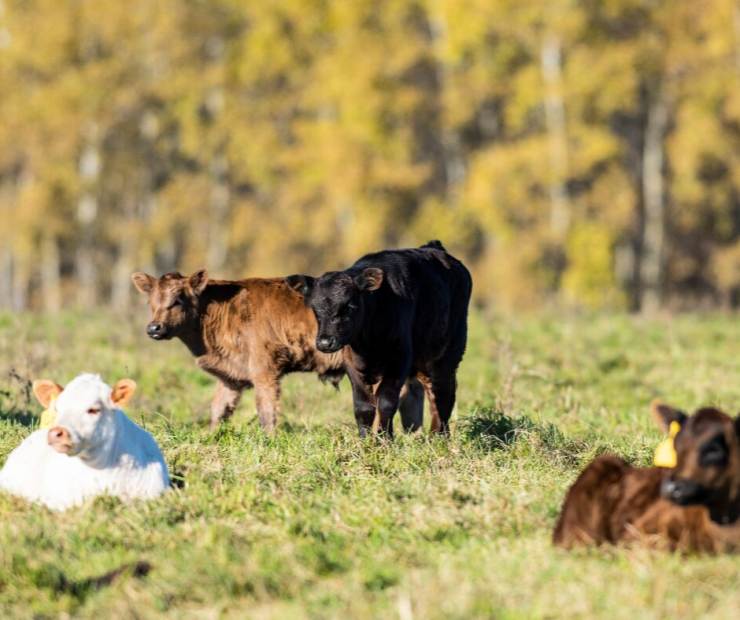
column 316, row 523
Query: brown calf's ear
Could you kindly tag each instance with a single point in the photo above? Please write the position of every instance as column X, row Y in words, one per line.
column 300, row 284
column 198, row 281
column 370, row 279
column 45, row 389
column 143, row 282
column 664, row 414
column 122, row 392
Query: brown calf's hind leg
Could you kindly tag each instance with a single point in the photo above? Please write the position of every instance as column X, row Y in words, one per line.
column 224, row 403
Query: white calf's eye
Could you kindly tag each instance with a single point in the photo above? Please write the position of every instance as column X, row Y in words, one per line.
column 93, row 411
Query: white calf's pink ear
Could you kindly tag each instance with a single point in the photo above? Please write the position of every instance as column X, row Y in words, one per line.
column 122, row 392
column 45, row 390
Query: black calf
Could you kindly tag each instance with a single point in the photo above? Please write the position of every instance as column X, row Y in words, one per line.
column 396, row 313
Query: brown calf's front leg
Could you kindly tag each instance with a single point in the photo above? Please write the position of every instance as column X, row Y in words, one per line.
column 224, row 402
column 267, row 397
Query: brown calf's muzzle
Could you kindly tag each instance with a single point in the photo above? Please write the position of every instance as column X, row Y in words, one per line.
column 156, row 330
column 59, row 439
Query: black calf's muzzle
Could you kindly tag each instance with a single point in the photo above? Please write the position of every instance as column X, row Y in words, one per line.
column 328, row 345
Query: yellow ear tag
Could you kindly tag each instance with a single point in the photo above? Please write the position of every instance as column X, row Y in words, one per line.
column 49, row 416
column 665, row 453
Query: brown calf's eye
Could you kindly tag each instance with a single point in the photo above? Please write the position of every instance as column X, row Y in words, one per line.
column 93, row 411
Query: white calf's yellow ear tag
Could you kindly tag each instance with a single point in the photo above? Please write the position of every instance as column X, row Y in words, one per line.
column 49, row 416
column 665, row 453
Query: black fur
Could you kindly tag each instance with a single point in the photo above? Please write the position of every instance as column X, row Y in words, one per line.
column 397, row 313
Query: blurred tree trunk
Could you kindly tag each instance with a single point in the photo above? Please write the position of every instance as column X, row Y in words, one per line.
column 654, row 205
column 121, row 284
column 20, row 283
column 51, row 286
column 218, row 166
column 87, row 215
column 551, row 68
column 218, row 239
column 453, row 162
column 6, row 276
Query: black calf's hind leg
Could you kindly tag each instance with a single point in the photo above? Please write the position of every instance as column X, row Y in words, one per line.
column 441, row 391
column 444, row 393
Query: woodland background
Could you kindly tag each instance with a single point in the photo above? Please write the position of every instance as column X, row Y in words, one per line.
column 575, row 153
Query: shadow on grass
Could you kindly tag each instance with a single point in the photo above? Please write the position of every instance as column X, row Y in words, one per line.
column 16, row 401
column 53, row 578
column 18, row 416
column 491, row 430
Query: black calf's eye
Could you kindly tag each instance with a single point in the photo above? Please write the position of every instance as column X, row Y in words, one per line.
column 93, row 411
column 714, row 452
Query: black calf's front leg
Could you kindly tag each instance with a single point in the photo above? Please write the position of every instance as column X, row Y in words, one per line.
column 387, row 397
column 364, row 404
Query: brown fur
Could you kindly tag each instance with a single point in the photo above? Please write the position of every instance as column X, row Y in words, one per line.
column 246, row 333
column 611, row 501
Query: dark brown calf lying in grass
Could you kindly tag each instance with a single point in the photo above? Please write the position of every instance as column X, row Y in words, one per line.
column 693, row 506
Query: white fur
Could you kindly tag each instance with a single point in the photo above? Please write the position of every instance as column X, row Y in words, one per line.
column 110, row 454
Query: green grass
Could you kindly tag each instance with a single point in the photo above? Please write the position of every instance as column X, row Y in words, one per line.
column 316, row 523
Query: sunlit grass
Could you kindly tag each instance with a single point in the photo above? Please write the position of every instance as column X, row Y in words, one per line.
column 316, row 523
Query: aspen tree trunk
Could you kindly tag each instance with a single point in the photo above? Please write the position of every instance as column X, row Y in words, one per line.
column 20, row 283
column 51, row 288
column 220, row 198
column 551, row 68
column 138, row 207
column 452, row 159
column 6, row 276
column 121, row 285
column 218, row 239
column 654, row 204
column 87, row 215
column 736, row 29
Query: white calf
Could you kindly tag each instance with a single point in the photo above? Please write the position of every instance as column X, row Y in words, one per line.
column 92, row 449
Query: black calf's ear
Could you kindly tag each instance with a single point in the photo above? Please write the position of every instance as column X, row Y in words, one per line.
column 664, row 414
column 300, row 284
column 143, row 282
column 370, row 279
column 198, row 281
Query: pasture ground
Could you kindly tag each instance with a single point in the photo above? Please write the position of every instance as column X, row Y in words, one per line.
column 316, row 523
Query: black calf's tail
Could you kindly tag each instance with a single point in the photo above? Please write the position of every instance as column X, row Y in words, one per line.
column 435, row 244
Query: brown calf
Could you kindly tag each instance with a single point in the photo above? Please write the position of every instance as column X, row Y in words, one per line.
column 247, row 333
column 692, row 506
